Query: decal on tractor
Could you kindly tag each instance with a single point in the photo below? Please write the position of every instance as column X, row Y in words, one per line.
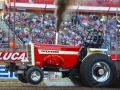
column 57, row 52
column 12, row 56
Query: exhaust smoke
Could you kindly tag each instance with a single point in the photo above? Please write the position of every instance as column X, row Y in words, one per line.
column 61, row 8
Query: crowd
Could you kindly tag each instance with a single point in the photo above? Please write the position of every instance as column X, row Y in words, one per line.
column 4, row 42
column 31, row 27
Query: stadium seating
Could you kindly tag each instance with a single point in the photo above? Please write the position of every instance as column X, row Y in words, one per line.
column 49, row 1
column 38, row 1
column 24, row 1
column 70, row 30
column 34, row 1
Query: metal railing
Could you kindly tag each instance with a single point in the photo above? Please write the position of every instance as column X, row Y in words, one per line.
column 4, row 25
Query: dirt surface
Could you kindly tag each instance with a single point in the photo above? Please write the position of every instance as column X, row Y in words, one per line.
column 14, row 84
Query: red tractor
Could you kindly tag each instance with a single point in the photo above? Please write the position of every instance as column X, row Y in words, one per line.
column 87, row 61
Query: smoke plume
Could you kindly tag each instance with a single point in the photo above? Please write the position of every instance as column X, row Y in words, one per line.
column 61, row 8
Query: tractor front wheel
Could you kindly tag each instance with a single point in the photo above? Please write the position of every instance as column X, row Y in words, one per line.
column 34, row 75
column 22, row 78
column 97, row 70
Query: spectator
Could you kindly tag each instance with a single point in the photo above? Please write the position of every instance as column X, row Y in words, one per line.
column 41, row 28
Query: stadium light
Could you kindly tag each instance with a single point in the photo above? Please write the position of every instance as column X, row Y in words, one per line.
column 14, row 24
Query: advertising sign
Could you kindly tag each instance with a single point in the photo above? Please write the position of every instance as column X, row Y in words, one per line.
column 6, row 74
column 12, row 56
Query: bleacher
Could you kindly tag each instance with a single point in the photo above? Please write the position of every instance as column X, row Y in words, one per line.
column 34, row 1
column 6, row 36
column 90, row 3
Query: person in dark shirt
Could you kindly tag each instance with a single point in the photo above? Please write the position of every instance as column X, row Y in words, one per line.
column 118, row 23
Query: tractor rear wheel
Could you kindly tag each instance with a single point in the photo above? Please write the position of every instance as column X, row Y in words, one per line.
column 97, row 70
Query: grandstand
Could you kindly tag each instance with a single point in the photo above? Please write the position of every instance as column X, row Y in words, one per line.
column 35, row 21
column 84, row 5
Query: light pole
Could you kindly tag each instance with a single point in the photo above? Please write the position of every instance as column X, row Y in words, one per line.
column 14, row 36
column 9, row 10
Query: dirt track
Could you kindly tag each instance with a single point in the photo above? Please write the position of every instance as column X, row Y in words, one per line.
column 16, row 85
column 29, row 87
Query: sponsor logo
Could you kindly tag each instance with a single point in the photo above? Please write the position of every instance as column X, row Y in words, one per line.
column 12, row 56
column 49, row 51
column 57, row 52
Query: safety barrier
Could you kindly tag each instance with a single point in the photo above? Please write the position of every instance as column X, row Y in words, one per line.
column 6, row 74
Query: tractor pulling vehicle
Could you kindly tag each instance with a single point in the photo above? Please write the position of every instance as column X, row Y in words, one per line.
column 88, row 61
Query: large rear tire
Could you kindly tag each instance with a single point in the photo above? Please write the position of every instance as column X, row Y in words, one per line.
column 97, row 70
column 34, row 75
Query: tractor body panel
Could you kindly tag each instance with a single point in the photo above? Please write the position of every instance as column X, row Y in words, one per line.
column 63, row 56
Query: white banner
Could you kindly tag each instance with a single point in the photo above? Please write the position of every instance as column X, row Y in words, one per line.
column 6, row 74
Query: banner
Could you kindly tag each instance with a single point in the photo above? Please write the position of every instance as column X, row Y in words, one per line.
column 5, row 56
column 6, row 74
column 47, row 75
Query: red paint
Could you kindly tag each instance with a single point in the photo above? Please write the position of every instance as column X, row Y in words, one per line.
column 60, row 60
column 114, row 56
